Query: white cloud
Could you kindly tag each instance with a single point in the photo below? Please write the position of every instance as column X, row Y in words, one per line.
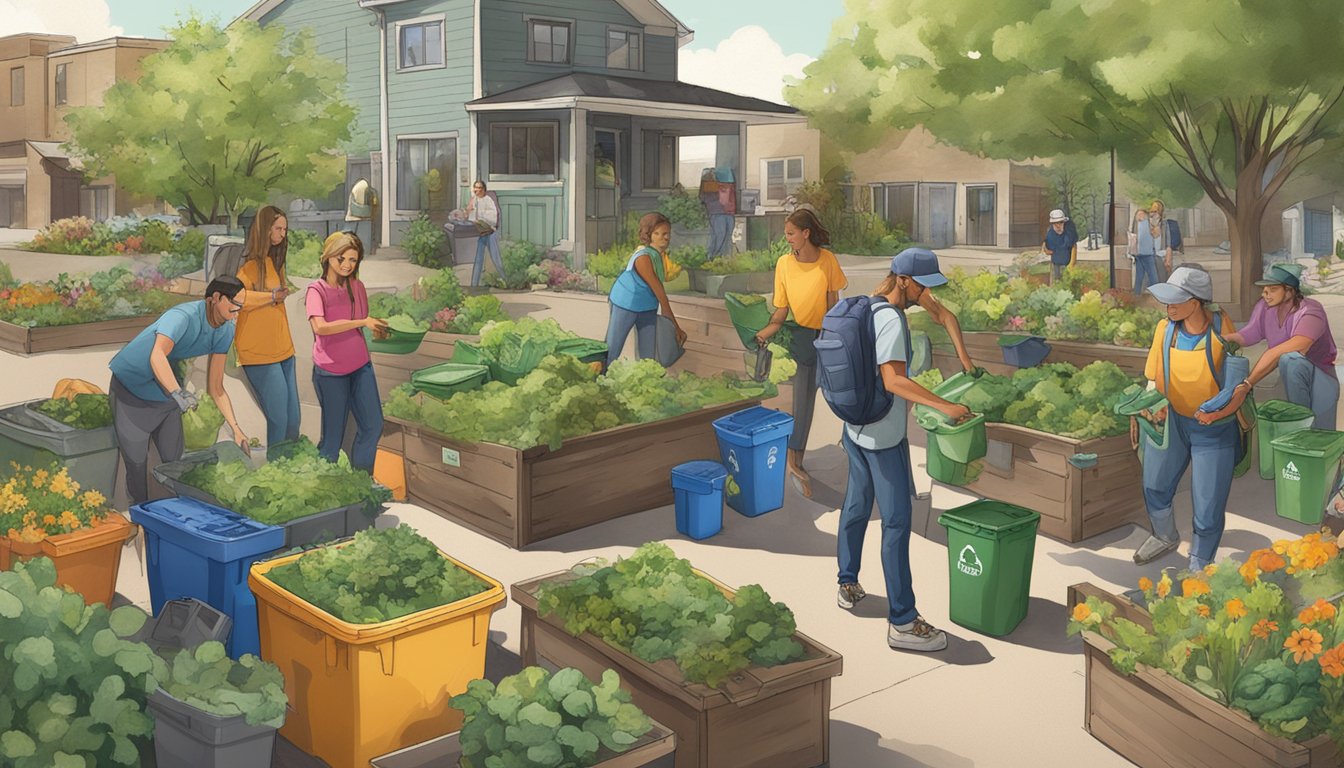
column 749, row 62
column 87, row 20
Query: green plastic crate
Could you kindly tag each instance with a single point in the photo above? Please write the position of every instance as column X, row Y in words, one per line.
column 447, row 379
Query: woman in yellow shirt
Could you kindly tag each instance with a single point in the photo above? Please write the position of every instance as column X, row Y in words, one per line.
column 808, row 282
column 265, row 347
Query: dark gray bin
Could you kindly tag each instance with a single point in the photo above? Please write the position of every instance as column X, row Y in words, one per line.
column 186, row 737
column 184, row 623
column 31, row 438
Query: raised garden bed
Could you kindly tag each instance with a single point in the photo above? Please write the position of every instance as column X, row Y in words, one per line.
column 652, row 750
column 394, row 370
column 22, row 340
column 765, row 717
column 984, row 349
column 716, row 285
column 1154, row 719
column 519, row 497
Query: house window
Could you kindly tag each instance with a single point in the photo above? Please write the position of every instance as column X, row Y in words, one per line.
column 524, row 149
column 548, row 41
column 623, row 49
column 660, row 160
column 420, row 44
column 426, row 173
column 16, row 87
column 93, row 203
column 60, row 84
column 782, row 177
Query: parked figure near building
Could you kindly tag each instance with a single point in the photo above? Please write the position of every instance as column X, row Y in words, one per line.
column 808, row 281
column 338, row 308
column 146, row 394
column 1060, row 244
column 483, row 211
column 1142, row 255
column 1301, row 346
column 879, row 458
column 638, row 292
column 1166, row 234
column 1183, row 363
column 265, row 347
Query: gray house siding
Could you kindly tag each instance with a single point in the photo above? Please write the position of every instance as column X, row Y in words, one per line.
column 539, row 212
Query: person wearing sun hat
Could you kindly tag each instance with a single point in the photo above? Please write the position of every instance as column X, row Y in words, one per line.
column 1060, row 244
column 1184, row 363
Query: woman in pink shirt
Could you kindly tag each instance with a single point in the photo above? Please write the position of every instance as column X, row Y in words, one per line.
column 338, row 308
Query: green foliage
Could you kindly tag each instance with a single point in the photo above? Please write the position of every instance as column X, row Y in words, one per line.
column 1055, row 398
column 84, row 411
column 611, row 263
column 6, row 277
column 519, row 256
column 429, row 296
column 683, row 208
column 538, row 720
column 75, row 684
column 185, row 255
column 69, row 300
column 295, row 483
column 383, row 574
column 207, row 679
column 200, row 425
column 250, row 111
column 475, row 313
column 425, row 242
column 748, row 261
column 304, row 257
column 929, row 379
column 654, row 606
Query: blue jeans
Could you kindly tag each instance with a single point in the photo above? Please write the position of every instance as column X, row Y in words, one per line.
column 720, row 234
column 1145, row 266
column 490, row 241
column 339, row 396
column 645, row 325
column 277, row 392
column 1211, row 452
column 883, row 475
column 1305, row 384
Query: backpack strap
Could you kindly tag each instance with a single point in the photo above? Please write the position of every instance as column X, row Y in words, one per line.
column 1167, row 341
column 1218, row 375
column 905, row 327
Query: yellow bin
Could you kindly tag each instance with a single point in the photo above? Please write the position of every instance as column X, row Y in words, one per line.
column 357, row 691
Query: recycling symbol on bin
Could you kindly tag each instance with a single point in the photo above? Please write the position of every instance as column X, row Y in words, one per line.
column 732, row 461
column 772, row 457
column 969, row 562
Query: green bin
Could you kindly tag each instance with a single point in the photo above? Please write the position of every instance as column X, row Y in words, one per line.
column 30, row 438
column 945, row 470
column 990, row 546
column 468, row 353
column 964, row 442
column 1306, row 468
column 1278, row 418
column 396, row 343
column 587, row 350
column 447, row 379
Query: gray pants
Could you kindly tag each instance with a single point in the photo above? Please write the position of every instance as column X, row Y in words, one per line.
column 1305, row 384
column 804, row 386
column 1056, row 272
column 135, row 422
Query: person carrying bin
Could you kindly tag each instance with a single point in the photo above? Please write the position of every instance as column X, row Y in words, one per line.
column 1184, row 363
column 862, row 355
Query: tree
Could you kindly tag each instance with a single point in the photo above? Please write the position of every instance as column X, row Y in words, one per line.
column 221, row 120
column 1240, row 95
column 1079, row 187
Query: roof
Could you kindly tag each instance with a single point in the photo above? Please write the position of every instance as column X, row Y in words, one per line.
column 592, row 87
column 111, row 42
column 51, row 150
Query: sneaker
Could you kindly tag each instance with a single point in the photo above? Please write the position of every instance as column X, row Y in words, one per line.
column 849, row 595
column 918, row 635
column 1153, row 548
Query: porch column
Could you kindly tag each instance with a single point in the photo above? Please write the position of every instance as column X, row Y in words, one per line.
column 740, row 168
column 580, row 151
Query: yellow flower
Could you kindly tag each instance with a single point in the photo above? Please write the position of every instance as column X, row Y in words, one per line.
column 1164, row 586
column 92, row 500
column 1081, row 612
column 1145, row 583
column 40, row 477
column 1304, row 643
column 1194, row 588
column 1209, row 569
column 48, row 519
column 1235, row 609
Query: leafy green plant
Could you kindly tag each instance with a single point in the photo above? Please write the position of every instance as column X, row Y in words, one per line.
column 748, row 261
column 84, row 411
column 429, row 295
column 73, row 299
column 304, row 257
column 382, row 574
column 207, row 679
column 683, row 208
column 200, row 425
column 534, row 719
column 186, row 254
column 519, row 256
column 7, row 277
column 424, row 242
column 1055, row 397
column 475, row 313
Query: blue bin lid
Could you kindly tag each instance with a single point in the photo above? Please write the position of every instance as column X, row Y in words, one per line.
column 754, row 425
column 209, row 531
column 699, row 476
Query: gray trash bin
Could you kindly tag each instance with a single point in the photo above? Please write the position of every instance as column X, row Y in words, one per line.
column 30, row 438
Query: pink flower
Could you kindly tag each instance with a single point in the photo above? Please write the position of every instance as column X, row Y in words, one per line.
column 1017, row 322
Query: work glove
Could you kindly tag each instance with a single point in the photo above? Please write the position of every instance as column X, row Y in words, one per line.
column 185, row 400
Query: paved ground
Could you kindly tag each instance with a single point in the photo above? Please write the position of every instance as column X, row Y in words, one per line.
column 984, row 701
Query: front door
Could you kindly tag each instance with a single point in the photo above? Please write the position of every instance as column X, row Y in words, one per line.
column 900, row 207
column 980, row 228
column 1028, row 215
column 1316, row 235
column 936, row 214
column 604, row 183
column 64, row 195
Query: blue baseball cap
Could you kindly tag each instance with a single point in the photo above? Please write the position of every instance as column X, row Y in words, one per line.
column 921, row 264
column 1283, row 274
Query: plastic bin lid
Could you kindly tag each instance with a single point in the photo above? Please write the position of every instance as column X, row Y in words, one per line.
column 213, row 532
column 1312, row 442
column 704, row 471
column 447, row 374
column 989, row 518
column 1282, row 410
column 753, row 421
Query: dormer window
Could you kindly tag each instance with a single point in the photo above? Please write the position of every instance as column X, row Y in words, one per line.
column 548, row 41
column 624, row 49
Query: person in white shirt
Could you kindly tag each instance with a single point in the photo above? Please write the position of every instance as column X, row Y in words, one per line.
column 483, row 211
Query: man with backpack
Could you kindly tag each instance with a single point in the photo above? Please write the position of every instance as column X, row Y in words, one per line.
column 862, row 355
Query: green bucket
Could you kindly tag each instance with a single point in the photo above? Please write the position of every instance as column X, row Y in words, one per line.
column 396, row 343
column 587, row 350
column 1306, row 471
column 1278, row 418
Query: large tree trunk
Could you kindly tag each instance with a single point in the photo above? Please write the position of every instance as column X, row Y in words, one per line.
column 1243, row 232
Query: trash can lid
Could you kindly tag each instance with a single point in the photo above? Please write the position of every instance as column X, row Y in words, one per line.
column 1312, row 442
column 448, row 373
column 699, row 476
column 1282, row 410
column 753, row 421
column 989, row 518
column 216, row 533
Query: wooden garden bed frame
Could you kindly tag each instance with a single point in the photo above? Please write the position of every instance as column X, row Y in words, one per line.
column 22, row 340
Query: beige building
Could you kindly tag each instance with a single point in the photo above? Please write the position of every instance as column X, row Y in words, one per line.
column 44, row 77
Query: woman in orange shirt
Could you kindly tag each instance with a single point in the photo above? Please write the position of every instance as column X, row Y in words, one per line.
column 265, row 347
column 808, row 283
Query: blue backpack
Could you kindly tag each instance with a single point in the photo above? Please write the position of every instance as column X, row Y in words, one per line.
column 847, row 360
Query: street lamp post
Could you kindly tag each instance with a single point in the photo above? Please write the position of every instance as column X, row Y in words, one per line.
column 1110, row 219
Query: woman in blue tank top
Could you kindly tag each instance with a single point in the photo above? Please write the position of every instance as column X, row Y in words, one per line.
column 638, row 292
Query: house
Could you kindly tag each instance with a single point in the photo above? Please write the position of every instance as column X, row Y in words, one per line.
column 570, row 110
column 44, row 77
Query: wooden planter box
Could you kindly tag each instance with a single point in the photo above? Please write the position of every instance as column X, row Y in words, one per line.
column 774, row 717
column 1031, row 469
column 86, row 560
column 716, row 285
column 1155, row 720
column 653, row 749
column 394, row 370
column 520, row 497
column 22, row 340
column 984, row 349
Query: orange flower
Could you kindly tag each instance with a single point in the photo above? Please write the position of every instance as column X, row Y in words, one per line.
column 1264, row 628
column 1081, row 612
column 1194, row 588
column 1317, row 611
column 1164, row 586
column 1249, row 572
column 1304, row 643
column 1145, row 583
column 1332, row 661
column 1235, row 609
column 1270, row 561
column 1204, row 611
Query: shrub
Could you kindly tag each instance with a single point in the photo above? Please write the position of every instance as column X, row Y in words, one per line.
column 683, row 208
column 518, row 256
column 186, row 254
column 304, row 258
column 424, row 242
column 6, row 277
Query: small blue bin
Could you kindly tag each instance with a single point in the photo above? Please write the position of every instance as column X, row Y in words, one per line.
column 698, row 487
column 753, row 444
column 201, row 551
column 1024, row 351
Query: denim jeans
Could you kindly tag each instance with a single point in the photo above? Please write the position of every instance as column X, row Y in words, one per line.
column 490, row 241
column 1305, row 384
column 1210, row 451
column 645, row 325
column 720, row 234
column 1056, row 272
column 339, row 396
column 1145, row 266
column 277, row 393
column 885, row 476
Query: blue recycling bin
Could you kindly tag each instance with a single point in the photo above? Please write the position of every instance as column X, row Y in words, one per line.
column 753, row 445
column 698, row 488
column 199, row 550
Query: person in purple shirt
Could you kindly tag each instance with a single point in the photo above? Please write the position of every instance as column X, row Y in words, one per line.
column 1300, row 345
